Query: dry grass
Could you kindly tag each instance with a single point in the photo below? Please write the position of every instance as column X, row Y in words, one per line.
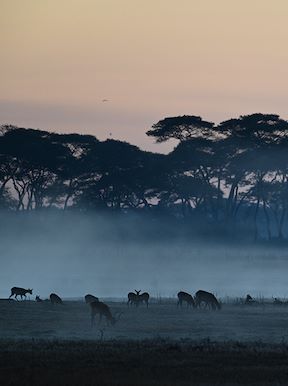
column 41, row 344
column 26, row 320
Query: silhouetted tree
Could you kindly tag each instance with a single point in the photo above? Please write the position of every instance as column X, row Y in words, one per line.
column 230, row 173
column 76, row 171
column 181, row 128
column 33, row 163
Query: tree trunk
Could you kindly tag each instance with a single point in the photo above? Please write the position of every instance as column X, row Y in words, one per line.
column 281, row 223
column 267, row 220
column 255, row 220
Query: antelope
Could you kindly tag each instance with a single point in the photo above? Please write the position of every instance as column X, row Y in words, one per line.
column 278, row 302
column 144, row 298
column 103, row 310
column 38, row 299
column 20, row 291
column 55, row 299
column 185, row 297
column 133, row 298
column 90, row 298
column 136, row 298
column 207, row 298
column 249, row 300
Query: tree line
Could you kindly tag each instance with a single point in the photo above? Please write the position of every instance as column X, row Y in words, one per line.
column 231, row 173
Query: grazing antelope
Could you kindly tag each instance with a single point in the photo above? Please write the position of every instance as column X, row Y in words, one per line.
column 18, row 291
column 38, row 299
column 185, row 297
column 90, row 298
column 55, row 299
column 103, row 310
column 208, row 299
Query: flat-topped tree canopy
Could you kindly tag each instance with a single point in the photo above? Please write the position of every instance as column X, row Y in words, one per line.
column 114, row 154
column 255, row 127
column 181, row 128
column 32, row 147
column 78, row 144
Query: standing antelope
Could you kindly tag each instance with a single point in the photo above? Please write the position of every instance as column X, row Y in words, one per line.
column 133, row 298
column 20, row 291
column 136, row 298
column 55, row 299
column 208, row 299
column 90, row 298
column 144, row 298
column 185, row 297
column 103, row 310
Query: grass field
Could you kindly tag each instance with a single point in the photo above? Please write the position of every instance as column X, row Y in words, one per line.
column 28, row 319
column 42, row 344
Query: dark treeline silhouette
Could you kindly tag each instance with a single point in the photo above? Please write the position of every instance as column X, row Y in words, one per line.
column 232, row 175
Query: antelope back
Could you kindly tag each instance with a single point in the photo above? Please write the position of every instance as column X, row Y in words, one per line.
column 91, row 298
column 20, row 291
column 184, row 295
column 207, row 297
column 54, row 298
column 100, row 308
column 145, row 296
column 132, row 297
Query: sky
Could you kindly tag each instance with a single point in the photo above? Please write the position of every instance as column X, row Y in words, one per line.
column 60, row 59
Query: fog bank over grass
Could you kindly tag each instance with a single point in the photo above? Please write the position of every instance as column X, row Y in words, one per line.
column 74, row 254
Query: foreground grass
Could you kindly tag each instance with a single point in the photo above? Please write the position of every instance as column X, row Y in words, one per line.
column 145, row 362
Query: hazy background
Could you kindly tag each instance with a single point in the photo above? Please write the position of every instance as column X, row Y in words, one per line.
column 60, row 61
column 76, row 254
column 150, row 59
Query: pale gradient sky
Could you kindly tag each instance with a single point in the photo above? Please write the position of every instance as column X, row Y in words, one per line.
column 151, row 59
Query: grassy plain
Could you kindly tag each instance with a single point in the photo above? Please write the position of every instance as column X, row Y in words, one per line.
column 42, row 344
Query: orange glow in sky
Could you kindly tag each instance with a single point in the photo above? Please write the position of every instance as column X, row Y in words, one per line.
column 149, row 59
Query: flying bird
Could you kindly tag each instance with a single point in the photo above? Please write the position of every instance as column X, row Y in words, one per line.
column 105, row 100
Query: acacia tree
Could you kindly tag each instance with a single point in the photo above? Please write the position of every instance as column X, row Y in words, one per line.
column 215, row 171
column 125, row 176
column 8, row 166
column 75, row 172
column 196, row 164
column 181, row 128
column 194, row 157
column 255, row 129
column 34, row 159
column 272, row 186
column 248, row 140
